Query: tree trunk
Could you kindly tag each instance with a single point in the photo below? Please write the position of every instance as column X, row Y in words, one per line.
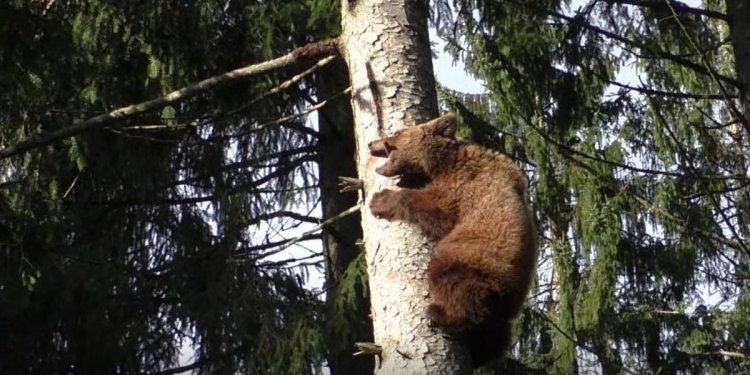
column 386, row 46
column 348, row 316
column 739, row 30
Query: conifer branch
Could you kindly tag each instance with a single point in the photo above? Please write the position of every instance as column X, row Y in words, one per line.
column 696, row 176
column 243, row 188
column 261, row 126
column 729, row 103
column 571, row 338
column 669, row 94
column 681, row 7
column 695, row 171
column 325, row 48
column 681, row 222
column 651, row 51
column 199, row 363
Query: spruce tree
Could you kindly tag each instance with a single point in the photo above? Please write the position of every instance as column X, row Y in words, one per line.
column 629, row 116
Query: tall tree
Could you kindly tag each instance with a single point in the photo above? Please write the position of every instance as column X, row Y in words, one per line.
column 386, row 46
column 127, row 233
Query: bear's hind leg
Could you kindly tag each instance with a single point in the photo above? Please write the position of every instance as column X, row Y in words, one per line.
column 489, row 340
column 458, row 293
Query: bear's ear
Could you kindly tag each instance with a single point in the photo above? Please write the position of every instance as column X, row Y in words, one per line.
column 445, row 126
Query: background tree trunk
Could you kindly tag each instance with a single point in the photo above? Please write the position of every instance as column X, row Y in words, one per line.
column 386, row 46
column 349, row 315
column 739, row 30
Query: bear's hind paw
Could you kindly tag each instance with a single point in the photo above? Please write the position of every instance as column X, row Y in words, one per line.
column 435, row 314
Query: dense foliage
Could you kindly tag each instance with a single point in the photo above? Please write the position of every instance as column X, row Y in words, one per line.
column 626, row 115
column 128, row 244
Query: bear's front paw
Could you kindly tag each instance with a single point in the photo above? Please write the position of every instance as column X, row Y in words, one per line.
column 384, row 204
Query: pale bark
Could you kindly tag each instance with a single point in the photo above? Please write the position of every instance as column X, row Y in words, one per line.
column 386, row 46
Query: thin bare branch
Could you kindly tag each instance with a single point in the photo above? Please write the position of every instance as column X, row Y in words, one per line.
column 320, row 226
column 285, row 244
column 243, row 254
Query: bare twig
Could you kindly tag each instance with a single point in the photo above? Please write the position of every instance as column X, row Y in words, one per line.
column 347, row 184
column 320, row 226
column 285, row 244
column 367, row 348
column 70, row 188
column 283, row 214
column 370, row 348
column 284, row 85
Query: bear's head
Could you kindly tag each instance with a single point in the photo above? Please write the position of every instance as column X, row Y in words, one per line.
column 418, row 152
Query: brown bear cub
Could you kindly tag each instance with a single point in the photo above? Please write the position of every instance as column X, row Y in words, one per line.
column 472, row 201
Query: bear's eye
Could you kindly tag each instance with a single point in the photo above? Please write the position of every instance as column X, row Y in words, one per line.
column 388, row 147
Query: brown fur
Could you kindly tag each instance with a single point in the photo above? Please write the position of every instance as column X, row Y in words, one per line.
column 472, row 200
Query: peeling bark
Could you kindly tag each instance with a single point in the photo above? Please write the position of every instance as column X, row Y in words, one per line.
column 386, row 46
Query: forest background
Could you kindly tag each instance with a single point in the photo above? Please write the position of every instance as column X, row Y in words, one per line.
column 125, row 238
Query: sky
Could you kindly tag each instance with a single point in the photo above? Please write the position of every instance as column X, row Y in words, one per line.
column 451, row 73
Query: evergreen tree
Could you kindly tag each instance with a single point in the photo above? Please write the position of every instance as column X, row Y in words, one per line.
column 133, row 240
column 128, row 234
column 639, row 187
